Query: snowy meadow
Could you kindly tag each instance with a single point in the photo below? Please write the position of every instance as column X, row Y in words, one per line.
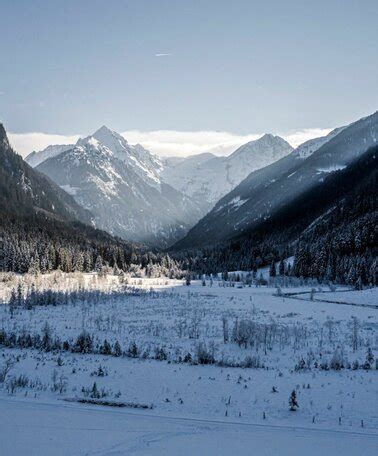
column 211, row 350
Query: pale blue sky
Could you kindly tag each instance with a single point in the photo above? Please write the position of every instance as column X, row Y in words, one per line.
column 240, row 66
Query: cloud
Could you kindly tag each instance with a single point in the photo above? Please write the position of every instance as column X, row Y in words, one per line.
column 167, row 143
column 182, row 143
column 162, row 54
column 296, row 138
column 24, row 143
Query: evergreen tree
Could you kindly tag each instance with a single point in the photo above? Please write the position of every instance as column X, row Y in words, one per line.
column 106, row 349
column 20, row 295
column 98, row 264
column 12, row 302
column 293, row 404
column 282, row 268
column 117, row 350
column 46, row 337
column 272, row 270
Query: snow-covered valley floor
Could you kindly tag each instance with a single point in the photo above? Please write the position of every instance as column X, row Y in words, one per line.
column 215, row 364
column 36, row 428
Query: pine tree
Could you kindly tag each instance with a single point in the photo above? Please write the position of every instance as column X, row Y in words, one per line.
column 369, row 356
column 254, row 271
column 272, row 270
column 106, row 349
column 12, row 302
column 46, row 337
column 293, row 401
column 282, row 268
column 95, row 393
column 30, row 301
column 98, row 264
column 117, row 350
column 20, row 294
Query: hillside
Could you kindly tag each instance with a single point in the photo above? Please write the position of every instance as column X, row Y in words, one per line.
column 330, row 228
column 267, row 191
column 41, row 226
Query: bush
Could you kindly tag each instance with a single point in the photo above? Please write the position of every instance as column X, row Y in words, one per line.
column 205, row 355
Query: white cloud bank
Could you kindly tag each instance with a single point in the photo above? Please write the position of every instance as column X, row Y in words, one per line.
column 168, row 143
column 24, row 143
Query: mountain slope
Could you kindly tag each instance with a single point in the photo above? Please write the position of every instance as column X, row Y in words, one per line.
column 207, row 178
column 35, row 158
column 25, row 190
column 40, row 224
column 120, row 185
column 330, row 228
column 268, row 190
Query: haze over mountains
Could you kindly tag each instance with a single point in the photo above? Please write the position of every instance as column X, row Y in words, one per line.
column 137, row 196
column 201, row 200
column 121, row 186
column 267, row 191
column 207, row 178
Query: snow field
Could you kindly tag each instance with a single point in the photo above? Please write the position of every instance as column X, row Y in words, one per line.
column 168, row 317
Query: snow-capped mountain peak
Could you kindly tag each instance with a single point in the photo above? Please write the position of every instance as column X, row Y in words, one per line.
column 212, row 177
column 262, row 150
column 141, row 160
column 111, row 139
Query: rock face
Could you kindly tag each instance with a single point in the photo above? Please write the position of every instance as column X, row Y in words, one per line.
column 121, row 185
column 267, row 191
column 207, row 178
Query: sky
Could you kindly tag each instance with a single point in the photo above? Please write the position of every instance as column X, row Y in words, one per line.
column 184, row 77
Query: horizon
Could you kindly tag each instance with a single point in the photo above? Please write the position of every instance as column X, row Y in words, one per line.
column 166, row 143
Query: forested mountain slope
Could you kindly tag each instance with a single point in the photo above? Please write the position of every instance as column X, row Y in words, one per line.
column 331, row 229
column 41, row 225
column 267, row 191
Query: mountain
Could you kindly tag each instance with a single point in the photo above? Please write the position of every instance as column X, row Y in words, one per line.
column 145, row 164
column 121, row 185
column 266, row 191
column 206, row 178
column 35, row 158
column 26, row 191
column 41, row 226
column 330, row 229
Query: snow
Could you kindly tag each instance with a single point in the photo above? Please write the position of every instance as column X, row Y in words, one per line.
column 233, row 204
column 141, row 160
column 35, row 158
column 36, row 428
column 209, row 178
column 190, row 400
column 365, row 297
column 306, row 149
column 70, row 190
column 331, row 169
